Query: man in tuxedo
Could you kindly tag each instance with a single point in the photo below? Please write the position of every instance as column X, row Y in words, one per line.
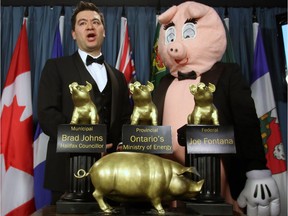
column 109, row 93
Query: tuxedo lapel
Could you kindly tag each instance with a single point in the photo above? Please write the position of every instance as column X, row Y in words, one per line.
column 84, row 74
column 115, row 88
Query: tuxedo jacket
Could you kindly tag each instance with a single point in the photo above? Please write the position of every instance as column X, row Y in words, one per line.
column 55, row 107
column 235, row 106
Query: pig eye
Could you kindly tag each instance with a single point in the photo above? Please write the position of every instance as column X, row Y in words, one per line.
column 189, row 31
column 170, row 35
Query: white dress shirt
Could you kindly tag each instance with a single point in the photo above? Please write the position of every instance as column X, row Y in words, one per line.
column 97, row 71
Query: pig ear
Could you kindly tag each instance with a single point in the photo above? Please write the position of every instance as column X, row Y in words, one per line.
column 189, row 170
column 211, row 87
column 197, row 10
column 137, row 84
column 193, row 89
column 166, row 16
column 88, row 86
column 150, row 86
column 131, row 87
column 71, row 86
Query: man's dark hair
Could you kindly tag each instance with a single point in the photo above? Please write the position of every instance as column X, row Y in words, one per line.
column 84, row 6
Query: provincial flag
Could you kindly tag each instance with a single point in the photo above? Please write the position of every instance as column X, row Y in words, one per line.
column 158, row 69
column 43, row 195
column 57, row 50
column 263, row 96
column 16, row 153
column 125, row 61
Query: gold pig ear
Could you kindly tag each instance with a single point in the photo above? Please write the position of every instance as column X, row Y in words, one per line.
column 193, row 89
column 137, row 84
column 150, row 86
column 192, row 170
column 88, row 86
column 201, row 85
column 131, row 87
column 71, row 86
column 211, row 87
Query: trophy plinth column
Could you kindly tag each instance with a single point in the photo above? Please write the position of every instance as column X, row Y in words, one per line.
column 84, row 143
column 209, row 168
column 80, row 190
column 204, row 146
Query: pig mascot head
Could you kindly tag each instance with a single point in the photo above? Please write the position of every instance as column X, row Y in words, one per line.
column 192, row 37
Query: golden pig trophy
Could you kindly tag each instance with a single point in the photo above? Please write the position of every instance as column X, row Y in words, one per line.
column 131, row 176
column 85, row 111
column 204, row 111
column 144, row 111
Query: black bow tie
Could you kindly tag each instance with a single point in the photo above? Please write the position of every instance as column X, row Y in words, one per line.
column 90, row 60
column 189, row 75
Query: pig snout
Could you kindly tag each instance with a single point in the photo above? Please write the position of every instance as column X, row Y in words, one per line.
column 178, row 52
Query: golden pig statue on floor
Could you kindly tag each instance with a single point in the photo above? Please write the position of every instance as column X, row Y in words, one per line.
column 144, row 111
column 85, row 111
column 131, row 176
column 204, row 111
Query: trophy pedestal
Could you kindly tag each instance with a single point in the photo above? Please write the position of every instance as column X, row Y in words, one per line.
column 220, row 209
column 209, row 168
column 209, row 201
column 191, row 209
column 79, row 198
column 84, row 143
column 204, row 146
column 68, row 207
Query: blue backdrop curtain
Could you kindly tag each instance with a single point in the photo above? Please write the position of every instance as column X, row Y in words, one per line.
column 42, row 23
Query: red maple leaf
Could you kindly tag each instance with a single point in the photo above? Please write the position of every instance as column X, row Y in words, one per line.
column 17, row 138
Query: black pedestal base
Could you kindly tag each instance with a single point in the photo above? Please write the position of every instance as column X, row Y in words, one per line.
column 77, row 197
column 209, row 199
column 191, row 209
column 214, row 209
column 66, row 207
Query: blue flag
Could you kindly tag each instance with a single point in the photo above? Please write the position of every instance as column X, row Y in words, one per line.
column 42, row 196
column 57, row 50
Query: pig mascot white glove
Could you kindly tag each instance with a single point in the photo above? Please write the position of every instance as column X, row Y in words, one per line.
column 260, row 194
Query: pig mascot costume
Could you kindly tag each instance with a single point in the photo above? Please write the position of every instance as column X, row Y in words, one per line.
column 192, row 41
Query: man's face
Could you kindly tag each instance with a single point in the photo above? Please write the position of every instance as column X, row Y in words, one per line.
column 89, row 32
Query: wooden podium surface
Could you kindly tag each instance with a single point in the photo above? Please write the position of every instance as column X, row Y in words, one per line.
column 51, row 211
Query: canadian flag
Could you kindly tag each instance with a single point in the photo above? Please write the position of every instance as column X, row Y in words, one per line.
column 16, row 153
column 124, row 60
